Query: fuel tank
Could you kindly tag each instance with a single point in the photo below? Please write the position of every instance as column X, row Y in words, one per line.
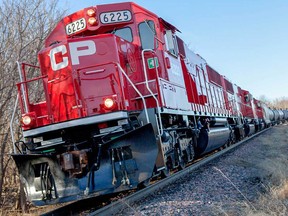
column 214, row 121
column 212, row 139
column 252, row 129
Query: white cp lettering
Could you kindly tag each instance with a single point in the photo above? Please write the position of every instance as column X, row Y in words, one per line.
column 57, row 66
column 87, row 48
column 77, row 49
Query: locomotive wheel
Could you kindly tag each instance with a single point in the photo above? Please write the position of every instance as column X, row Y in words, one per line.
column 191, row 153
column 232, row 139
column 185, row 157
column 167, row 171
column 144, row 184
column 183, row 161
column 225, row 145
column 181, row 165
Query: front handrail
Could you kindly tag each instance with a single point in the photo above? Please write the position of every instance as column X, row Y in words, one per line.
column 128, row 79
column 11, row 123
column 160, row 130
column 135, row 88
column 22, row 87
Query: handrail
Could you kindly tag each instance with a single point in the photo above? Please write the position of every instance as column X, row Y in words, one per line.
column 32, row 80
column 148, row 88
column 135, row 88
column 128, row 79
column 239, row 113
column 11, row 123
column 22, row 87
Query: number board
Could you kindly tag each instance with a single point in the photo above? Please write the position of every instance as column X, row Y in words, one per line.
column 115, row 16
column 75, row 26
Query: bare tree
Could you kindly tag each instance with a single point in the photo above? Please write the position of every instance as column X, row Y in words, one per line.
column 281, row 103
column 277, row 103
column 265, row 100
column 24, row 25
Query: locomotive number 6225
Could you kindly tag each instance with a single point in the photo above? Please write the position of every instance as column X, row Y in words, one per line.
column 116, row 16
column 75, row 26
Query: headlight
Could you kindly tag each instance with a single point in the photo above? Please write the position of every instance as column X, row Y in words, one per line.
column 28, row 120
column 109, row 103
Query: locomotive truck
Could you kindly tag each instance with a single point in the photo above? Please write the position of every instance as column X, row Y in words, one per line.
column 123, row 99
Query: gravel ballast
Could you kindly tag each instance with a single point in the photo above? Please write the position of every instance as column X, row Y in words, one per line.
column 246, row 181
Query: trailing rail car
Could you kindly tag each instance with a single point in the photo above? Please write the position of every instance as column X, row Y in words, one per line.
column 122, row 99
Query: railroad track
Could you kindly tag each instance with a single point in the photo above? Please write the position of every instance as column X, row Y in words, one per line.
column 111, row 205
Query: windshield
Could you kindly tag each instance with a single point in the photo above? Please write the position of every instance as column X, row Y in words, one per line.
column 124, row 33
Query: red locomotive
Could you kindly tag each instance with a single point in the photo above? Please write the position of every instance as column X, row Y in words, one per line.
column 124, row 100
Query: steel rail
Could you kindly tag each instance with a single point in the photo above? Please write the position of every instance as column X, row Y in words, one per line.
column 126, row 202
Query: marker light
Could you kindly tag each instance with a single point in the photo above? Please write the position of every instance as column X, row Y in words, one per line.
column 109, row 103
column 91, row 12
column 92, row 21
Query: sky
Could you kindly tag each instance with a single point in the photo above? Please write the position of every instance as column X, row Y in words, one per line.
column 245, row 40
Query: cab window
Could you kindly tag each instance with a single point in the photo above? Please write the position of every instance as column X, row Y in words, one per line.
column 171, row 43
column 124, row 33
column 147, row 34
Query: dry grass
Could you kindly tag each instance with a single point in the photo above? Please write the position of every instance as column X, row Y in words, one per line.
column 32, row 211
column 274, row 203
column 275, row 176
column 272, row 171
column 281, row 192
